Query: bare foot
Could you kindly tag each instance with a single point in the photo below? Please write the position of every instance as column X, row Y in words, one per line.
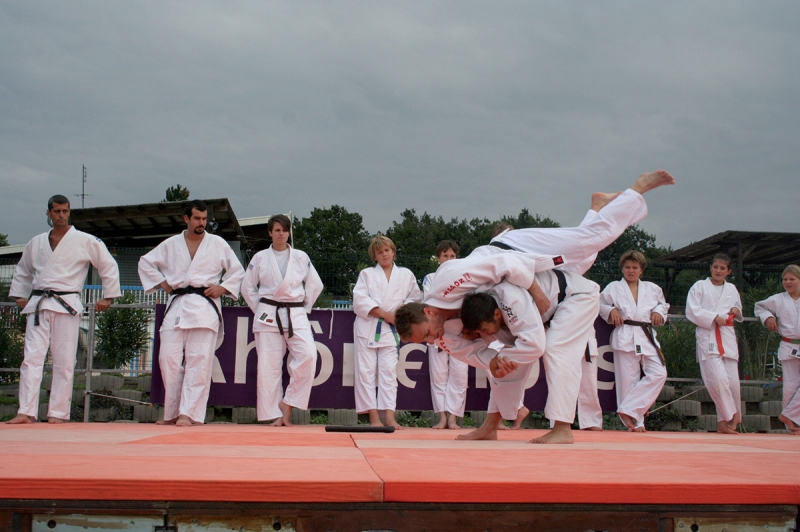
column 442, row 421
column 724, row 428
column 391, row 421
column 287, row 414
column 560, row 433
column 628, row 421
column 55, row 421
column 593, row 428
column 639, row 429
column 277, row 423
column 795, row 432
column 790, row 425
column 166, row 421
column 375, row 419
column 184, row 421
column 652, row 180
column 522, row 413
column 501, row 425
column 487, row 431
column 452, row 422
column 21, row 419
column 601, row 199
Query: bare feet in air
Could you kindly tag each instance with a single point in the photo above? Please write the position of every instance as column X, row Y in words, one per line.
column 652, row 180
column 601, row 199
column 522, row 413
column 286, row 419
column 560, row 433
column 21, row 419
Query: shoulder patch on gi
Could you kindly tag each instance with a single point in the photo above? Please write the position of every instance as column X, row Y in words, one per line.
column 558, row 260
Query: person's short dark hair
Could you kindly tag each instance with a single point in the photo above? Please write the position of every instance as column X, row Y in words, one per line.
column 500, row 227
column 281, row 219
column 722, row 257
column 444, row 245
column 58, row 198
column 476, row 309
column 406, row 316
column 200, row 205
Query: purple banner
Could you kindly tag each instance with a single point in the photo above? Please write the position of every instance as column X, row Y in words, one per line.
column 233, row 381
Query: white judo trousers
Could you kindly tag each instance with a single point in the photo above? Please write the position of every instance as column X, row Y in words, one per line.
column 59, row 332
column 571, row 328
column 375, row 385
column 64, row 270
column 192, row 329
column 448, row 382
column 787, row 311
column 720, row 372
column 633, row 350
column 271, row 347
column 590, row 413
column 185, row 359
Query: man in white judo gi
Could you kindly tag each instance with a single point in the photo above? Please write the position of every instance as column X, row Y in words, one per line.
column 196, row 268
column 280, row 287
column 47, row 286
column 570, row 328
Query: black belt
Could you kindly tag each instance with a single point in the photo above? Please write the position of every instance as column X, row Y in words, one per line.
column 648, row 331
column 197, row 290
column 55, row 295
column 280, row 305
column 501, row 245
column 562, row 292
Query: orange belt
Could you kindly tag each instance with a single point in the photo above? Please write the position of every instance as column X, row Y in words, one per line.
column 728, row 323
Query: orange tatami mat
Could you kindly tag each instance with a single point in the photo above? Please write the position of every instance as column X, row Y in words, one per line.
column 252, row 463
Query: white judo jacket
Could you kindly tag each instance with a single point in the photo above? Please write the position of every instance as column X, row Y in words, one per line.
column 63, row 270
column 703, row 305
column 374, row 290
column 784, row 309
column 631, row 338
column 263, row 280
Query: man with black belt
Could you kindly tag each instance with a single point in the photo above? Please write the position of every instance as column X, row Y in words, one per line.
column 280, row 287
column 196, row 268
column 47, row 283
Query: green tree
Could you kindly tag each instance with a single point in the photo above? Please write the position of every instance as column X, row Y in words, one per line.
column 336, row 242
column 525, row 219
column 121, row 333
column 3, row 240
column 176, row 193
column 12, row 336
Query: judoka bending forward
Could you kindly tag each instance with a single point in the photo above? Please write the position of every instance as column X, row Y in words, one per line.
column 196, row 268
column 47, row 284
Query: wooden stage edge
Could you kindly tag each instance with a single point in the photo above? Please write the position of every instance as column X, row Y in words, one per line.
column 126, row 476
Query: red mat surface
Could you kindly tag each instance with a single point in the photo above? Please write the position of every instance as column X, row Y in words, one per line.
column 251, row 463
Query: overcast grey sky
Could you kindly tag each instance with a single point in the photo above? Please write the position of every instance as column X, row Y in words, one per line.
column 461, row 109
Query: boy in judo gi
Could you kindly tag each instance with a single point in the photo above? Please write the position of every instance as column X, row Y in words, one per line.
column 377, row 294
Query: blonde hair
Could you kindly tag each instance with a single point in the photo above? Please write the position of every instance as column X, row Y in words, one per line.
column 794, row 269
column 378, row 243
column 636, row 256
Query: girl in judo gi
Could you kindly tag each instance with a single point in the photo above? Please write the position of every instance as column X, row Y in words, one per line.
column 380, row 290
column 634, row 306
column 713, row 305
column 781, row 313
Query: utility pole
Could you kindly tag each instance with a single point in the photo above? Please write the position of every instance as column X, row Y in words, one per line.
column 83, row 193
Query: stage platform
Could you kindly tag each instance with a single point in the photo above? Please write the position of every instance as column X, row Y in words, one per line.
column 302, row 478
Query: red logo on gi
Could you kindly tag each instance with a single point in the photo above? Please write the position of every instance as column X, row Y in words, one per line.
column 463, row 279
